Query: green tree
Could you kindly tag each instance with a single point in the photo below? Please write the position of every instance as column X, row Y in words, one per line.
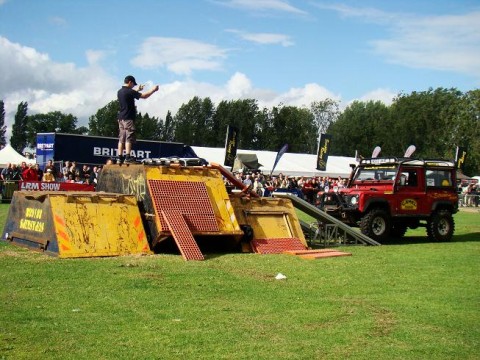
column 424, row 119
column 466, row 130
column 359, row 127
column 3, row 127
column 82, row 130
column 193, row 121
column 168, row 128
column 294, row 126
column 325, row 113
column 148, row 128
column 54, row 121
column 104, row 122
column 18, row 140
column 243, row 114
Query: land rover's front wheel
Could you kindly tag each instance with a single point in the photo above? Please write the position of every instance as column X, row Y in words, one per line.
column 376, row 224
column 440, row 226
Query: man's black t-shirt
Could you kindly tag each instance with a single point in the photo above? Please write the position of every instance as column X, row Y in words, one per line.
column 126, row 98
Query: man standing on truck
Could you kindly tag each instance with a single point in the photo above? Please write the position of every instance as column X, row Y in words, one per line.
column 126, row 116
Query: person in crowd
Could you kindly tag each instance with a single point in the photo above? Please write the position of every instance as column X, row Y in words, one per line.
column 39, row 172
column 66, row 169
column 70, row 179
column 50, row 166
column 308, row 191
column 258, row 186
column 23, row 166
column 16, row 173
column 248, row 181
column 7, row 173
column 470, row 194
column 74, row 170
column 29, row 173
column 94, row 175
column 48, row 176
column 85, row 173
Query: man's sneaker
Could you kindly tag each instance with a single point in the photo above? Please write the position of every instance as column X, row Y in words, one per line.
column 117, row 160
column 130, row 160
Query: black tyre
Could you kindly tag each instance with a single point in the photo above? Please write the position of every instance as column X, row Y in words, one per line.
column 440, row 226
column 247, row 233
column 376, row 224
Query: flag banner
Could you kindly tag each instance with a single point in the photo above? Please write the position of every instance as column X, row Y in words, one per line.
column 460, row 157
column 280, row 153
column 409, row 152
column 231, row 145
column 376, row 151
column 323, row 151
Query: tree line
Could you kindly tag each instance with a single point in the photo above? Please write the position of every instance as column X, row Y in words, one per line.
column 436, row 121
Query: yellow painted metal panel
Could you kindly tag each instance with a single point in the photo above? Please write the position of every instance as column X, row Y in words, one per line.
column 98, row 225
column 269, row 217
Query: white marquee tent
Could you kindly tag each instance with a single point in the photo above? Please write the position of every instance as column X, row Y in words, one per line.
column 290, row 164
column 9, row 155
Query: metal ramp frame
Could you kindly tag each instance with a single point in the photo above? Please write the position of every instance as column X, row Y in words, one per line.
column 330, row 229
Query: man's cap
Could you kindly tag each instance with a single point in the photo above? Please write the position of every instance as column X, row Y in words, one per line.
column 130, row 78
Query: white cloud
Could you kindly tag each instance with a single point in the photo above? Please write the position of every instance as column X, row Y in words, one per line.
column 440, row 42
column 264, row 6
column 239, row 85
column 95, row 56
column 384, row 95
column 265, row 38
column 49, row 86
column 46, row 86
column 303, row 96
column 181, row 56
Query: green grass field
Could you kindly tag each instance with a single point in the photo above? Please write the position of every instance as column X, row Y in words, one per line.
column 410, row 300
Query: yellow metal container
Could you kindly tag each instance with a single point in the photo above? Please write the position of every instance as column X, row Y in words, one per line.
column 269, row 218
column 76, row 224
column 198, row 193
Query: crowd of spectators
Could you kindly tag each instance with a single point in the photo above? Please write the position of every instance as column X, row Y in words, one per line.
column 68, row 172
column 303, row 186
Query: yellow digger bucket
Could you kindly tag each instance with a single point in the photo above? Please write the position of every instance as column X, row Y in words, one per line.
column 76, row 224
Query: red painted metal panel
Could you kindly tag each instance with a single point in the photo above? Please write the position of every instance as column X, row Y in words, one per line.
column 189, row 198
column 277, row 245
column 182, row 235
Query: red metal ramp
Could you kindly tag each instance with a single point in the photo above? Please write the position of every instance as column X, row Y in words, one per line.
column 182, row 235
column 277, row 245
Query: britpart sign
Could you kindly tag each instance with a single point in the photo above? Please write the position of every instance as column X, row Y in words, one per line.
column 96, row 149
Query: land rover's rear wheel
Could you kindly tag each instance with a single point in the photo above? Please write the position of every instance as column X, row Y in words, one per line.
column 440, row 226
column 376, row 224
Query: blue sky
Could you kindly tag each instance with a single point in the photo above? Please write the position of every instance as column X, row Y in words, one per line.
column 72, row 55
